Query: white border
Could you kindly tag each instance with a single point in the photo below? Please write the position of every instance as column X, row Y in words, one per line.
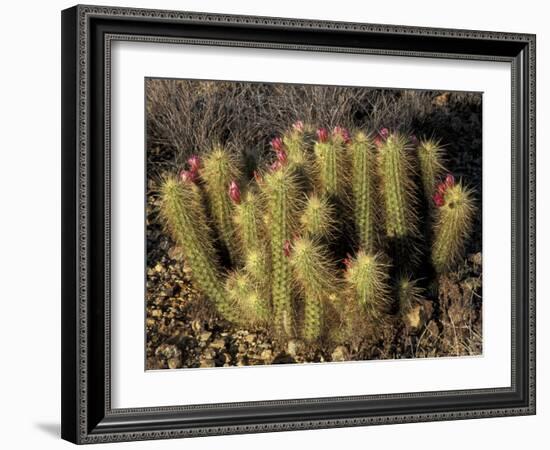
column 133, row 387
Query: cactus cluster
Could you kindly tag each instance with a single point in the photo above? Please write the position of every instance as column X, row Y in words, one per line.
column 320, row 244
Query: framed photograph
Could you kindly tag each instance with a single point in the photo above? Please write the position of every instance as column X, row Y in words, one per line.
column 279, row 224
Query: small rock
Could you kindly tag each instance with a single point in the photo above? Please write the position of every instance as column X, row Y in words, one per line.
column 340, row 353
column 205, row 335
column 267, row 355
column 196, row 326
column 174, row 363
column 207, row 363
column 250, row 338
column 218, row 344
column 294, row 347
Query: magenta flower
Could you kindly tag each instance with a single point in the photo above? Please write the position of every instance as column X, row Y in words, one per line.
column 343, row 133
column 188, row 176
column 438, row 199
column 277, row 144
column 194, row 163
column 449, row 180
column 322, row 135
column 298, row 126
column 234, row 192
column 286, row 248
column 384, row 133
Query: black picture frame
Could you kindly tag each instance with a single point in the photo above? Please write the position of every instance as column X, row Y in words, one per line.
column 87, row 33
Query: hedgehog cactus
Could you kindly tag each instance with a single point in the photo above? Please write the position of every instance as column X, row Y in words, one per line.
column 408, row 294
column 280, row 189
column 367, row 276
column 331, row 164
column 398, row 190
column 247, row 299
column 315, row 274
column 430, row 162
column 363, row 163
column 247, row 218
column 219, row 172
column 453, row 222
column 183, row 211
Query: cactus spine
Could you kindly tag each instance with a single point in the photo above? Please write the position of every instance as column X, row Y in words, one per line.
column 315, row 275
column 367, row 275
column 363, row 162
column 452, row 224
column 182, row 209
column 248, row 222
column 317, row 219
column 220, row 169
column 281, row 193
column 251, row 303
column 431, row 165
column 408, row 293
column 331, row 164
column 397, row 187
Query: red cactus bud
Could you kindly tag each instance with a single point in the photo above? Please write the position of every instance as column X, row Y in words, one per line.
column 414, row 140
column 194, row 163
column 234, row 192
column 298, row 126
column 258, row 177
column 188, row 176
column 277, row 144
column 275, row 165
column 441, row 188
column 384, row 133
column 438, row 199
column 347, row 261
column 286, row 248
column 322, row 135
column 282, row 157
column 343, row 133
column 449, row 180
column 377, row 141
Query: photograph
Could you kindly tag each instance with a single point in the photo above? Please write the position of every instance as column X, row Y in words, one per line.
column 299, row 223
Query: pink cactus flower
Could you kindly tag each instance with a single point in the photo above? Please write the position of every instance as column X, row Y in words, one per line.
column 343, row 133
column 384, row 133
column 277, row 144
column 194, row 163
column 188, row 176
column 438, row 199
column 322, row 135
column 377, row 141
column 286, row 248
column 449, row 180
column 234, row 192
column 282, row 157
column 298, row 126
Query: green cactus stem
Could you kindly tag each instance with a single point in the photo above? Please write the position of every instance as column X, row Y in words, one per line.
column 363, row 163
column 315, row 275
column 331, row 166
column 408, row 294
column 297, row 143
column 317, row 219
column 430, row 161
column 247, row 299
column 453, row 223
column 183, row 212
column 398, row 189
column 280, row 189
column 248, row 220
column 367, row 275
column 219, row 170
